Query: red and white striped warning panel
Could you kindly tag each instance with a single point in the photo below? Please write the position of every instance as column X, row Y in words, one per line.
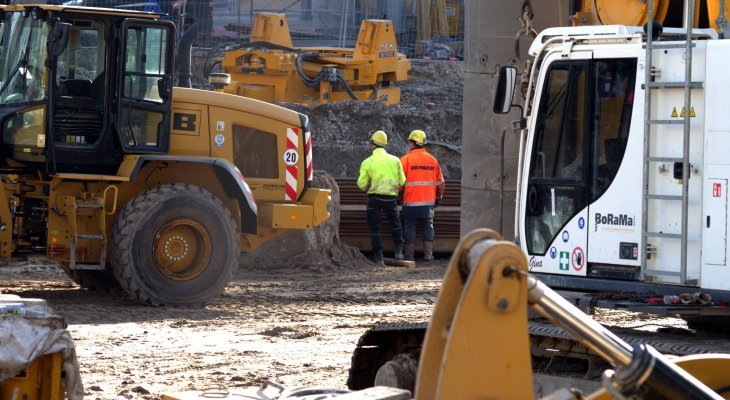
column 291, row 158
column 308, row 152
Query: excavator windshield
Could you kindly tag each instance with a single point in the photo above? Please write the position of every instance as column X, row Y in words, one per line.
column 22, row 69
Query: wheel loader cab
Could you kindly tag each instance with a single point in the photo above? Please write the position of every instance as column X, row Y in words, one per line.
column 106, row 93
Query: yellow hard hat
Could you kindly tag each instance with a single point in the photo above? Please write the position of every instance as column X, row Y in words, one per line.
column 418, row 136
column 379, row 138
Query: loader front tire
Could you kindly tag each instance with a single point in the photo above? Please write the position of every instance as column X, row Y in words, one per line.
column 174, row 245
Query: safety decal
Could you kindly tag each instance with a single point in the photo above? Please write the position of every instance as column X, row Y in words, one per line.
column 566, row 236
column 564, row 260
column 553, row 252
column 219, row 140
column 716, row 190
column 220, row 125
column 577, row 259
column 308, row 154
column 292, row 145
column 683, row 113
column 581, row 223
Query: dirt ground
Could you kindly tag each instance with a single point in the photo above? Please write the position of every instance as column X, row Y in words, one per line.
column 295, row 326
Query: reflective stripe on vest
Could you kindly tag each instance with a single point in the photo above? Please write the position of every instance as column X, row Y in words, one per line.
column 419, row 203
column 424, row 183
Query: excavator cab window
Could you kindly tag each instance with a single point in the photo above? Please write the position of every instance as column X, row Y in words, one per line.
column 145, row 86
column 580, row 138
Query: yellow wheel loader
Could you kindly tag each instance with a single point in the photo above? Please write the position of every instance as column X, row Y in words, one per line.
column 126, row 180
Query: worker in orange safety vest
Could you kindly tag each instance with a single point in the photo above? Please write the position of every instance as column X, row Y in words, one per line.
column 422, row 193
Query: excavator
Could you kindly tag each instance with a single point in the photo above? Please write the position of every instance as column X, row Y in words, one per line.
column 622, row 180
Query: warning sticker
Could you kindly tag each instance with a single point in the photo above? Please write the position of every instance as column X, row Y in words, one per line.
column 716, row 190
column 692, row 113
column 577, row 259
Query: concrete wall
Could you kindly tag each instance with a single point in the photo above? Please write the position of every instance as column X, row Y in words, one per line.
column 491, row 27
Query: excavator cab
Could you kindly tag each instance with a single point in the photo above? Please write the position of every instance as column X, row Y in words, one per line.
column 80, row 87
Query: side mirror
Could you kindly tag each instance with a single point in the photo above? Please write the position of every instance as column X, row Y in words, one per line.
column 505, row 90
column 58, row 38
column 164, row 88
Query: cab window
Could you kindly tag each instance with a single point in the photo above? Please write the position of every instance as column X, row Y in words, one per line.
column 253, row 151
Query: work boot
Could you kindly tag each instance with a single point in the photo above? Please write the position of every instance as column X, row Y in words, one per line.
column 378, row 258
column 409, row 250
column 398, row 252
column 427, row 250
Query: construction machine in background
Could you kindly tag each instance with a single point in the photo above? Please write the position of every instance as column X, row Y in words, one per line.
column 269, row 69
column 126, row 180
column 669, row 13
column 478, row 345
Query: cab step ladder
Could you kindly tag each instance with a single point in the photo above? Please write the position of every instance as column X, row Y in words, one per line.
column 650, row 200
column 98, row 219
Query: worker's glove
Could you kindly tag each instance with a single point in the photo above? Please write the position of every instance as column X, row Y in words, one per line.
column 437, row 203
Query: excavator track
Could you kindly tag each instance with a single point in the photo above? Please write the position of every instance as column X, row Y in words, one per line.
column 554, row 351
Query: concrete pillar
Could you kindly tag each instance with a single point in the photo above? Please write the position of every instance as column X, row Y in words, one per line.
column 491, row 27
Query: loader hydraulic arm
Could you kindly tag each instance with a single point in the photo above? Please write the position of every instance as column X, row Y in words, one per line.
column 477, row 344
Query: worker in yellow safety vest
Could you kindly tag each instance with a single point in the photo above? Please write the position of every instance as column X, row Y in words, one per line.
column 381, row 176
column 422, row 194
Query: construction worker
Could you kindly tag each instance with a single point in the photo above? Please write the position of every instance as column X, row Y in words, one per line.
column 381, row 176
column 422, row 193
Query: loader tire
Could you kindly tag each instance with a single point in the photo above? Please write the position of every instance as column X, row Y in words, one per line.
column 101, row 281
column 174, row 245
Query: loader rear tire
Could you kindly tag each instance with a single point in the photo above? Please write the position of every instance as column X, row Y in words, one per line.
column 101, row 281
column 174, row 245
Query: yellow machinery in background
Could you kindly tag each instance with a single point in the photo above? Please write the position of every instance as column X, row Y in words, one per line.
column 269, row 69
column 636, row 12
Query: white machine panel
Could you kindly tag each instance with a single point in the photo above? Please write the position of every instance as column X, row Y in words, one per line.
column 715, row 271
column 714, row 230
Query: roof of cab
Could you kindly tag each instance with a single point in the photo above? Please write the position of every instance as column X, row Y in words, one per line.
column 82, row 10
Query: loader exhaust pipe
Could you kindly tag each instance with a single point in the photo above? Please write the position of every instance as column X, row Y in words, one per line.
column 184, row 46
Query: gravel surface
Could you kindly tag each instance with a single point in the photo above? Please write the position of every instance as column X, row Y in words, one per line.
column 296, row 326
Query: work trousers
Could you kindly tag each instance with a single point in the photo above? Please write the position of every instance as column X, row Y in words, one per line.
column 387, row 205
column 414, row 216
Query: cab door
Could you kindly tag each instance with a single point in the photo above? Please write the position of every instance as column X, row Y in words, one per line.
column 555, row 201
column 577, row 144
column 145, row 86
